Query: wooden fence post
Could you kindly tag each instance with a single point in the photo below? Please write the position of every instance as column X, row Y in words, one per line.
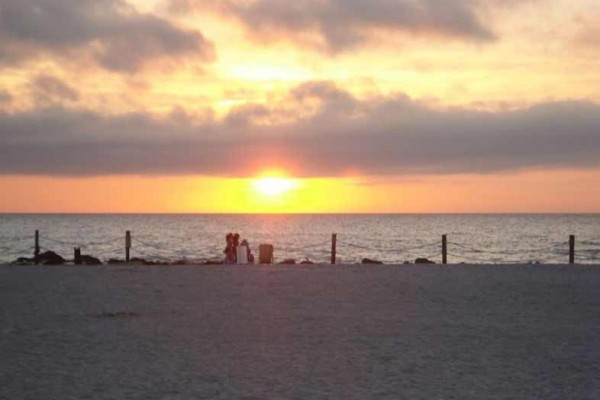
column 572, row 249
column 333, row 247
column 444, row 249
column 76, row 255
column 127, row 245
column 36, row 251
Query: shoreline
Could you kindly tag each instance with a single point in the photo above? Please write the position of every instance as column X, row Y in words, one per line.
column 302, row 266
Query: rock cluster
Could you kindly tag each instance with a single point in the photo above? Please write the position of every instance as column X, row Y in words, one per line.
column 287, row 261
column 423, row 261
column 45, row 258
column 52, row 258
column 369, row 261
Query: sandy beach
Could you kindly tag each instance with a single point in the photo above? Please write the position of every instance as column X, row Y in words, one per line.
column 300, row 332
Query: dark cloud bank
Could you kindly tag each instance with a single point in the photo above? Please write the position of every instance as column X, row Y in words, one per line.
column 385, row 136
column 343, row 24
column 118, row 37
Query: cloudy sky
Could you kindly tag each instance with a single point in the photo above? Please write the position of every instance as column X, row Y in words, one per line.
column 372, row 105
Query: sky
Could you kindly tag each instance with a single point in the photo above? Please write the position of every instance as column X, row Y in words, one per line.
column 366, row 106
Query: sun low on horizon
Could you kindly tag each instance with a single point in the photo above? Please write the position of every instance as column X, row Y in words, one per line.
column 254, row 106
column 271, row 186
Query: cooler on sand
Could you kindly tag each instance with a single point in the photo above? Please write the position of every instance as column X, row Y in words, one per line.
column 265, row 254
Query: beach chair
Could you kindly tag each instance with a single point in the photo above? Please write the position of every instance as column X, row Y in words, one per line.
column 265, row 254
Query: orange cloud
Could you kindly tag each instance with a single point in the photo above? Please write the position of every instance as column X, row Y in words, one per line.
column 587, row 35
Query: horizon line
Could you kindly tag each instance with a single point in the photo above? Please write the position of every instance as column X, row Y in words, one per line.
column 4, row 213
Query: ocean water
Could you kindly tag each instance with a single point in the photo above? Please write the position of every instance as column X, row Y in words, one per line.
column 491, row 239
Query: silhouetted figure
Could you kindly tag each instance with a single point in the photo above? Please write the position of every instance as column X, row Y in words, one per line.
column 236, row 243
column 250, row 255
column 229, row 249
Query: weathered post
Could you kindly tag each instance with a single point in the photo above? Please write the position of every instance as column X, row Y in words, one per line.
column 36, row 251
column 333, row 247
column 76, row 255
column 444, row 249
column 572, row 249
column 127, row 245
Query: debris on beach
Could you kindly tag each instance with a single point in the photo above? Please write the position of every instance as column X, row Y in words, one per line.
column 287, row 261
column 45, row 258
column 84, row 259
column 50, row 258
column 118, row 315
column 424, row 261
column 90, row 260
column 23, row 261
column 369, row 261
column 142, row 261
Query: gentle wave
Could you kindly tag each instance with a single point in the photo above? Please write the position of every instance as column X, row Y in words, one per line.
column 388, row 238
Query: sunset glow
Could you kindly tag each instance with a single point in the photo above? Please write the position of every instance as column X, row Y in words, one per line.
column 267, row 106
column 273, row 186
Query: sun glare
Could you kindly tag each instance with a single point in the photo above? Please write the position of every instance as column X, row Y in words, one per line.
column 272, row 186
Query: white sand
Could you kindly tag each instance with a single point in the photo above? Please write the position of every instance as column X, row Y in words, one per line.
column 319, row 332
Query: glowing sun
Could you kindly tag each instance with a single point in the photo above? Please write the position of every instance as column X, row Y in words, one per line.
column 272, row 187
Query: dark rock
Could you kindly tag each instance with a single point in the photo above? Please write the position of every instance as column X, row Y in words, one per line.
column 113, row 261
column 23, row 261
column 288, row 261
column 49, row 258
column 423, row 261
column 369, row 261
column 306, row 262
column 89, row 260
column 213, row 262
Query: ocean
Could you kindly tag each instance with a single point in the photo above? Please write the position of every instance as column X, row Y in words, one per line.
column 392, row 239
